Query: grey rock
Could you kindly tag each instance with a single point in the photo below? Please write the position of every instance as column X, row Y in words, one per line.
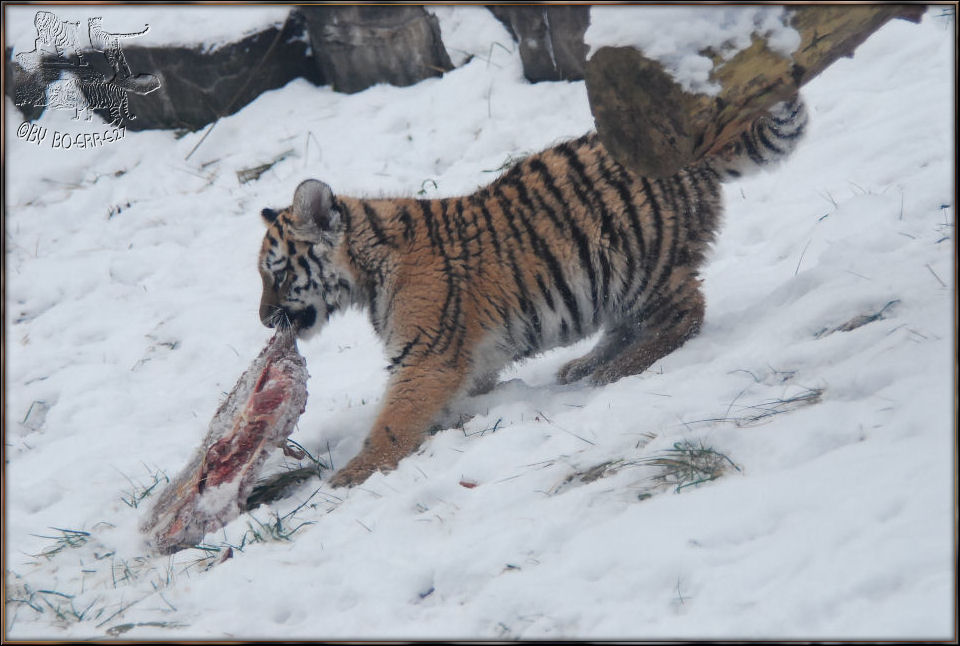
column 171, row 87
column 550, row 38
column 356, row 47
column 189, row 87
column 197, row 87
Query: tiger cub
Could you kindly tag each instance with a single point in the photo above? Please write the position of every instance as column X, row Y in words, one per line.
column 565, row 243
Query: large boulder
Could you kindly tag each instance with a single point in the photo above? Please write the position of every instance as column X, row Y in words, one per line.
column 198, row 86
column 550, row 38
column 190, row 86
column 358, row 46
column 174, row 86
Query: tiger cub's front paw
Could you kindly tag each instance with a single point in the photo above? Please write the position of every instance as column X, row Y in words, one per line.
column 358, row 470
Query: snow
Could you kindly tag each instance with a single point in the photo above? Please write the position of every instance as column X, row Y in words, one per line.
column 131, row 297
column 677, row 36
column 472, row 32
column 187, row 25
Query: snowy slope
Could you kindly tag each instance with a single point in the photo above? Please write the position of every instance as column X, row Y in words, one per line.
column 131, row 309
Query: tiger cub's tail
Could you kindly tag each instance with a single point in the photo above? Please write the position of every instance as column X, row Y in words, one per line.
column 768, row 140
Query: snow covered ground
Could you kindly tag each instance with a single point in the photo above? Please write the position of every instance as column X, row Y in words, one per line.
column 131, row 309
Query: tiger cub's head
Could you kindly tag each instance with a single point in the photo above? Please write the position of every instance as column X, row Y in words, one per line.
column 302, row 284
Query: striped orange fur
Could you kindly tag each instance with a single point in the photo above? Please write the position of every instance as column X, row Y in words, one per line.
column 565, row 243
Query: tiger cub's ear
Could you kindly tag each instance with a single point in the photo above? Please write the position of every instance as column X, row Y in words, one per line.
column 312, row 211
column 269, row 215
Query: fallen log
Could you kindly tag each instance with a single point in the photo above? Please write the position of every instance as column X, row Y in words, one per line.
column 650, row 124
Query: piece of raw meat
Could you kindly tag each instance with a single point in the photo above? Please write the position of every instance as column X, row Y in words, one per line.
column 257, row 416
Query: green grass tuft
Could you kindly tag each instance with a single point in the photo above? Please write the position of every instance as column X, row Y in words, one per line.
column 689, row 464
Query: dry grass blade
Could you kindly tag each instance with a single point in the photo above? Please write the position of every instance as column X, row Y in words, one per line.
column 858, row 321
column 245, row 175
column 777, row 406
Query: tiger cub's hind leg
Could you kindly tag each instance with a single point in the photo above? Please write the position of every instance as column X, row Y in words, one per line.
column 636, row 344
column 663, row 329
column 484, row 383
column 610, row 344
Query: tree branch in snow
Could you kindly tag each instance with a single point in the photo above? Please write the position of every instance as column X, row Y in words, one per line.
column 655, row 127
